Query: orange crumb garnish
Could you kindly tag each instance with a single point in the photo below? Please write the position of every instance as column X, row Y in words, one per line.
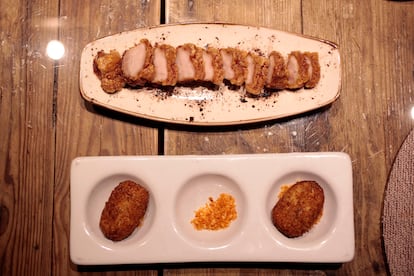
column 216, row 214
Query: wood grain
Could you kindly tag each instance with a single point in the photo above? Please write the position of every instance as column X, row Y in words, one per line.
column 376, row 81
column 83, row 129
column 394, row 49
column 355, row 119
column 26, row 138
column 280, row 14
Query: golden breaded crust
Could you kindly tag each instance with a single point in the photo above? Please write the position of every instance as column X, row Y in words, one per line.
column 315, row 69
column 107, row 66
column 299, row 79
column 238, row 65
column 147, row 73
column 261, row 66
column 124, row 210
column 278, row 75
column 170, row 55
column 217, row 63
column 298, row 209
column 196, row 57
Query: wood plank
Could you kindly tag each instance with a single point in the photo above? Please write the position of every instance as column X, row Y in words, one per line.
column 83, row 129
column 394, row 79
column 374, row 100
column 355, row 118
column 283, row 15
column 26, row 137
column 394, row 71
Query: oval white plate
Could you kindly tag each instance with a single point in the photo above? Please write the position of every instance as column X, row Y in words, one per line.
column 201, row 105
column 185, row 184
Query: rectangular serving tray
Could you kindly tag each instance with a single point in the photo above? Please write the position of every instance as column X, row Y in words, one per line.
column 179, row 185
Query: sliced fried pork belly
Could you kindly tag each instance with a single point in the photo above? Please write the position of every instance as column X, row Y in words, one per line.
column 213, row 65
column 107, row 66
column 234, row 65
column 227, row 57
column 164, row 57
column 277, row 73
column 198, row 63
column 137, row 64
column 239, row 65
column 257, row 67
column 314, row 69
column 166, row 65
column 185, row 68
column 297, row 70
column 189, row 62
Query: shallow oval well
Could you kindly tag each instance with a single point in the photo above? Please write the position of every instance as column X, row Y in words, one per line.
column 321, row 231
column 96, row 202
column 194, row 194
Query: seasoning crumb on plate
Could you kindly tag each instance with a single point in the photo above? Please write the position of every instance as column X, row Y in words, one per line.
column 216, row 214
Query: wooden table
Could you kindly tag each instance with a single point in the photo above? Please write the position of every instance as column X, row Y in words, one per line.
column 44, row 123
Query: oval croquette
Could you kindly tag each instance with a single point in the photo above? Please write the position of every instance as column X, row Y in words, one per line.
column 124, row 210
column 298, row 209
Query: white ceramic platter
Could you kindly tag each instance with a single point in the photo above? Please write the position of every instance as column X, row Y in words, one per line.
column 223, row 106
column 179, row 185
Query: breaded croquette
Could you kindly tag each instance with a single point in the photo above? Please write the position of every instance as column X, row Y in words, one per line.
column 124, row 210
column 298, row 209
